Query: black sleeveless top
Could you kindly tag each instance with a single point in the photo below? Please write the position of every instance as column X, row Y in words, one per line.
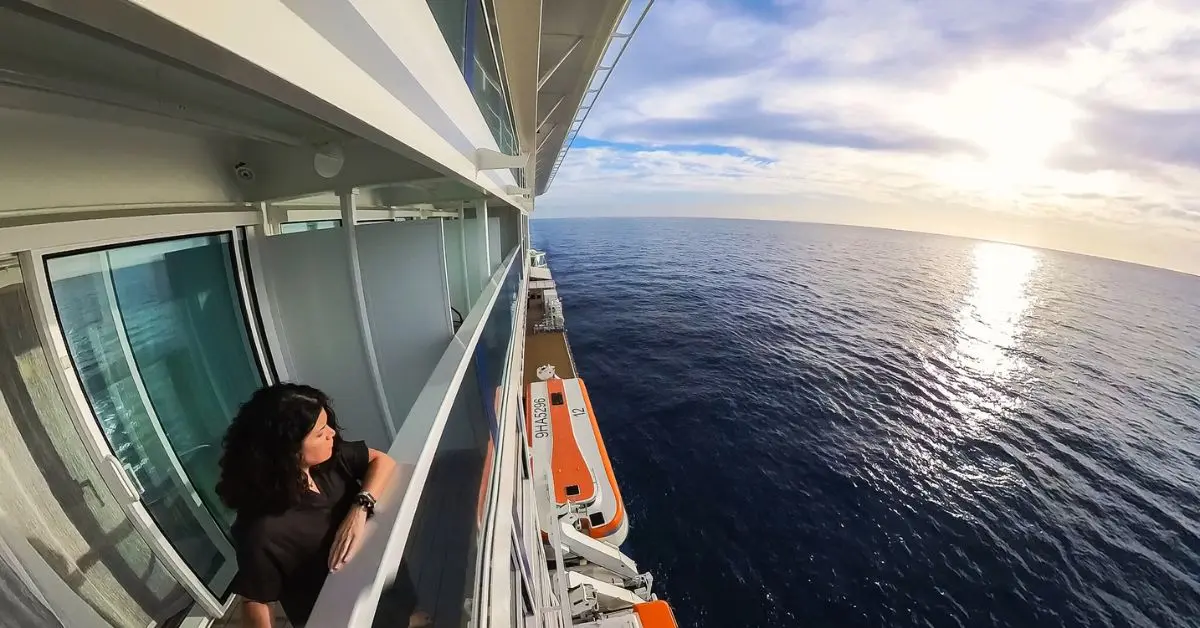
column 285, row 557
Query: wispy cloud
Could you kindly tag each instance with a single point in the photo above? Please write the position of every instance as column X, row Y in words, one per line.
column 1074, row 109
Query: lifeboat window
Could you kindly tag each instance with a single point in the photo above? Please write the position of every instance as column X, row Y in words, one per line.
column 596, row 519
column 556, row 399
column 573, row 490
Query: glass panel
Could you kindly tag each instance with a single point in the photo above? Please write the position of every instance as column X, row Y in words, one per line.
column 451, row 17
column 312, row 225
column 160, row 345
column 485, row 76
column 441, row 558
column 181, row 311
column 54, row 495
column 491, row 354
column 468, row 28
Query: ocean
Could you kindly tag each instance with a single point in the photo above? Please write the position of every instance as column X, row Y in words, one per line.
column 820, row 425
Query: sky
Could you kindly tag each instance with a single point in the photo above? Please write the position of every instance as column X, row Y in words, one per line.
column 1070, row 124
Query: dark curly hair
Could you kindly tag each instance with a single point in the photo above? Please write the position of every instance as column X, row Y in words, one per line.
column 260, row 466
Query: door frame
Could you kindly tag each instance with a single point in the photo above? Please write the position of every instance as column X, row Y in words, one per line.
column 116, row 478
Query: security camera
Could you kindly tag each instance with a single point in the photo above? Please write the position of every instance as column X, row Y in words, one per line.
column 243, row 171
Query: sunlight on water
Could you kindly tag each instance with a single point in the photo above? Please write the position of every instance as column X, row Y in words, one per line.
column 991, row 322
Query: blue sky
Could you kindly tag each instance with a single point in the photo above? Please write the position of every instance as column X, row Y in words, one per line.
column 1072, row 124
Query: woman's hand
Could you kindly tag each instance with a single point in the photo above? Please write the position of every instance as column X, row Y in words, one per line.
column 348, row 539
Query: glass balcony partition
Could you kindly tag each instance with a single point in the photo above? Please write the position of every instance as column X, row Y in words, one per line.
column 491, row 354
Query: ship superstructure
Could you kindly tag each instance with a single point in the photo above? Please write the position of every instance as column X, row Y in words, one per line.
column 200, row 198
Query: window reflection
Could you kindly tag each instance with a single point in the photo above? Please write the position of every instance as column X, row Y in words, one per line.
column 451, row 17
column 54, row 498
column 157, row 337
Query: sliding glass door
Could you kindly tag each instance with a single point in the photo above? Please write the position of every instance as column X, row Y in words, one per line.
column 159, row 341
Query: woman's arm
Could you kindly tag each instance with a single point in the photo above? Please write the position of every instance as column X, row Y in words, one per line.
column 379, row 473
column 380, row 469
column 256, row 614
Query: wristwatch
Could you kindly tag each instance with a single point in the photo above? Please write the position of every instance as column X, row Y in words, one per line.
column 366, row 501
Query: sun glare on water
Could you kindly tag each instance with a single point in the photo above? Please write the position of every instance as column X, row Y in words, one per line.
column 991, row 322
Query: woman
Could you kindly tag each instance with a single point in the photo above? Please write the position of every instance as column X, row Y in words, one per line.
column 302, row 496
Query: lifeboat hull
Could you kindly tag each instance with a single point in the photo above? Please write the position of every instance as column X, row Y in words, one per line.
column 565, row 439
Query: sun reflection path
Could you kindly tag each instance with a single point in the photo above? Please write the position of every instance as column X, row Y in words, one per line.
column 956, row 461
column 991, row 321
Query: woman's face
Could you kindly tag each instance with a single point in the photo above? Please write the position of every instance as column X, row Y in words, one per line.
column 317, row 446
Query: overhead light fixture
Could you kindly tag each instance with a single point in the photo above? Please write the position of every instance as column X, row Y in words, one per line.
column 328, row 160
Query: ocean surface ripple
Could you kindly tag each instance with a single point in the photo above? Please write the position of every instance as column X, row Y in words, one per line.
column 836, row 426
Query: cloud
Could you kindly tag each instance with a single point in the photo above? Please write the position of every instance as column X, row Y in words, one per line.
column 1071, row 109
column 1157, row 136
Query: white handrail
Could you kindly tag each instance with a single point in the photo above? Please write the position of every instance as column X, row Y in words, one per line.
column 351, row 596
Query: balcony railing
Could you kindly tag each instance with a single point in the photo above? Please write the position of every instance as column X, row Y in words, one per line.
column 422, row 549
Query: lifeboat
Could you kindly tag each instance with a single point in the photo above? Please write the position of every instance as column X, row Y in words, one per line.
column 565, row 438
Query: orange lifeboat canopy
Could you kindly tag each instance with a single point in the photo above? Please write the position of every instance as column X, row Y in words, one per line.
column 656, row 614
column 563, row 433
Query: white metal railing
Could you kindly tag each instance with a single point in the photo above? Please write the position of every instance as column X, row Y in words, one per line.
column 350, row 597
column 599, row 79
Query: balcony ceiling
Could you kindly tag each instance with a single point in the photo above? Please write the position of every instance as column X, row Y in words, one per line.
column 573, row 38
column 130, row 125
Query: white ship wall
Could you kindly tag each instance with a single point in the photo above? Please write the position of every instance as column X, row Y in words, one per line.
column 56, row 161
column 382, row 61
